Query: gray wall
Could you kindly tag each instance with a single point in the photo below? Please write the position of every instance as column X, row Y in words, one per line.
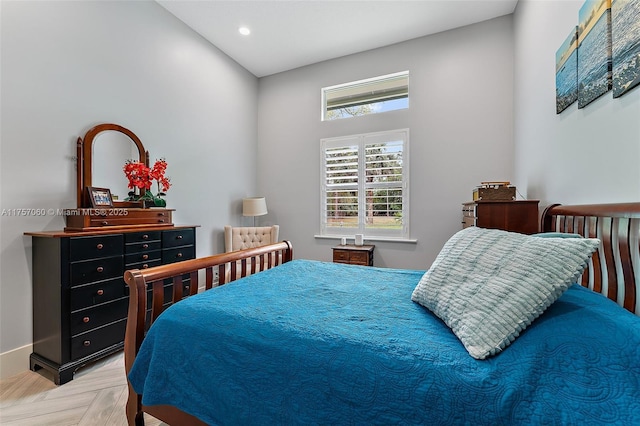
column 581, row 156
column 67, row 66
column 460, row 119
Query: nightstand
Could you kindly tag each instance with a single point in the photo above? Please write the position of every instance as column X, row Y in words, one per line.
column 353, row 255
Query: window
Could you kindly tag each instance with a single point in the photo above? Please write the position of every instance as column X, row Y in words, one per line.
column 370, row 96
column 365, row 185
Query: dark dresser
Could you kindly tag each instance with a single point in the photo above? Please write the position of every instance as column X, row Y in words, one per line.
column 515, row 216
column 80, row 299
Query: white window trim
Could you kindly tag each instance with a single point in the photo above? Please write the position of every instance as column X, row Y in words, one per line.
column 334, row 232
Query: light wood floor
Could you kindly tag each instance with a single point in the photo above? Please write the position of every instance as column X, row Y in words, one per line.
column 96, row 396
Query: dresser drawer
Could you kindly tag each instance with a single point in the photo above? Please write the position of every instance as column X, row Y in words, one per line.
column 83, row 248
column 142, row 247
column 96, row 316
column 144, row 264
column 126, row 221
column 96, row 270
column 97, row 293
column 468, row 221
column 86, row 344
column 142, row 237
column 149, row 256
column 178, row 237
column 178, row 254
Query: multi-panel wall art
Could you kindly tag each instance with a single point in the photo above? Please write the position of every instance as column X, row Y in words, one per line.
column 567, row 72
column 594, row 51
column 625, row 32
column 601, row 54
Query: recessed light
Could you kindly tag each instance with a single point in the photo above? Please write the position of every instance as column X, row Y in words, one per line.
column 244, row 31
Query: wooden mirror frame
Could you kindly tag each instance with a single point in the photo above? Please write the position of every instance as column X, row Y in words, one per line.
column 84, row 152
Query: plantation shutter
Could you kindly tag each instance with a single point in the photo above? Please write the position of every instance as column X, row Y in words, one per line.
column 341, row 181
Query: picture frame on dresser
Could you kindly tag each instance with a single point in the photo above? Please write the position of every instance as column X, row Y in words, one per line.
column 100, row 197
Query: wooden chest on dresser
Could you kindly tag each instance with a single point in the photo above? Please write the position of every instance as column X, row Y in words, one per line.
column 515, row 216
column 80, row 299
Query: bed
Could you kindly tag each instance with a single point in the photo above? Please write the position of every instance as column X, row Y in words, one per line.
column 308, row 342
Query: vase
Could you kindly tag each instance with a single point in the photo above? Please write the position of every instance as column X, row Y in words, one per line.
column 159, row 202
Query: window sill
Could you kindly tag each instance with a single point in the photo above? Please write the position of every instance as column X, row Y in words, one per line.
column 382, row 239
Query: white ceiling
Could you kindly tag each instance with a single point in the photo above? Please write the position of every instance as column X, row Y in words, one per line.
column 287, row 34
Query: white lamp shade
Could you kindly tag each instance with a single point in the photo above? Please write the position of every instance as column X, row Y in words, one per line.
column 254, row 206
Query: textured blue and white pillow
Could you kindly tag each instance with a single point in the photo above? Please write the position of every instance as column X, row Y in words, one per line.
column 488, row 285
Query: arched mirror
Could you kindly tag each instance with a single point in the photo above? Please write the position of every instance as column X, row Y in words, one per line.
column 102, row 155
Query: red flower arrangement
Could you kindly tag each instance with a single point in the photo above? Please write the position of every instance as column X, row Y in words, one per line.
column 141, row 177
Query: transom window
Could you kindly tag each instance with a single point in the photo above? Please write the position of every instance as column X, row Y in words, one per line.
column 365, row 185
column 379, row 94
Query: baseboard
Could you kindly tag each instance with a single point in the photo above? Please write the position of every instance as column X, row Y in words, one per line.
column 15, row 361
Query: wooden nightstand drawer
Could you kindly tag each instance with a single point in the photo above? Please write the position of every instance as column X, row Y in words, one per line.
column 359, row 257
column 340, row 256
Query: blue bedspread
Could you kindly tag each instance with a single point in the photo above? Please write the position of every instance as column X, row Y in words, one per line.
column 314, row 343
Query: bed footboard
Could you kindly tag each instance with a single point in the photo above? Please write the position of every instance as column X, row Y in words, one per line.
column 614, row 269
column 152, row 290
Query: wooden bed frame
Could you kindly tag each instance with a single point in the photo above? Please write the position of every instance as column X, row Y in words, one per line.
column 153, row 280
column 614, row 272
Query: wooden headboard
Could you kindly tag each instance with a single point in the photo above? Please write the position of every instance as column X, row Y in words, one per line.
column 614, row 270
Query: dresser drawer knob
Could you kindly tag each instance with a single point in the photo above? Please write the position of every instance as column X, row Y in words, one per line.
column 100, row 246
column 178, row 237
column 87, row 343
column 100, row 269
column 145, row 266
column 145, row 246
column 145, row 256
column 160, row 220
column 100, row 292
column 86, row 320
column 179, row 255
column 145, row 237
column 104, row 222
column 160, row 214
